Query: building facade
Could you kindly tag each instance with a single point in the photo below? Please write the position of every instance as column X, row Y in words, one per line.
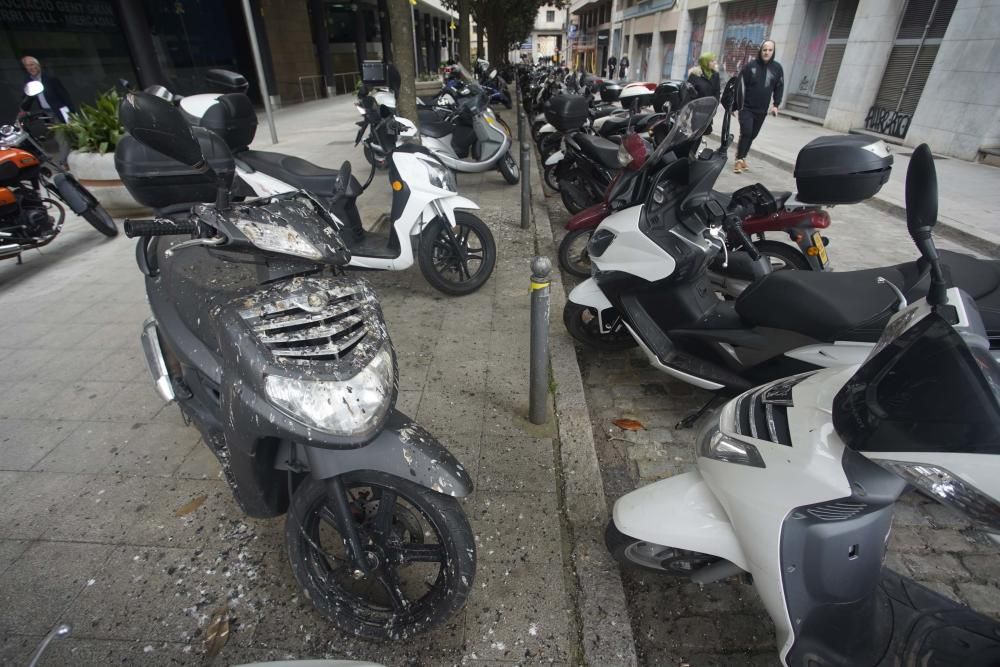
column 912, row 71
column 309, row 47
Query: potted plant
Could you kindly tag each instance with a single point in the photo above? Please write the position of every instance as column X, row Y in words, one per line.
column 93, row 132
column 428, row 84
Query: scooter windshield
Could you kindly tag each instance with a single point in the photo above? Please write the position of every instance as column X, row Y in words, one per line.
column 690, row 124
column 927, row 388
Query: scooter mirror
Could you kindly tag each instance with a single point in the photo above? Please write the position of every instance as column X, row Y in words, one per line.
column 33, row 88
column 158, row 124
column 921, row 194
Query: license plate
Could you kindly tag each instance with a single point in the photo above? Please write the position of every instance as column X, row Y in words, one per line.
column 820, row 248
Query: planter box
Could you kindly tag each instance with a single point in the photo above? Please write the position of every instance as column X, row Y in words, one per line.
column 428, row 87
column 97, row 173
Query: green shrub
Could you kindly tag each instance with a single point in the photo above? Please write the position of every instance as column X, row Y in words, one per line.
column 95, row 129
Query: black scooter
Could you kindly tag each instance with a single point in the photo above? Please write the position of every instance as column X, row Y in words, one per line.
column 286, row 367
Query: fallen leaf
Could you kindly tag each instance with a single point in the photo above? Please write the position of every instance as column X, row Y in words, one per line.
column 217, row 633
column 191, row 506
column 629, row 424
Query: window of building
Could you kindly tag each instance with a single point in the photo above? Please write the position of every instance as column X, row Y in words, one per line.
column 550, row 16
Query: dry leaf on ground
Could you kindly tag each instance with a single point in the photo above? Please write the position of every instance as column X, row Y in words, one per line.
column 629, row 424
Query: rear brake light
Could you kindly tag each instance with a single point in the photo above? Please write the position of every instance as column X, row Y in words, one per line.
column 820, row 219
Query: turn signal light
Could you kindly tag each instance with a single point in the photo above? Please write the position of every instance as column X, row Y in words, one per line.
column 397, row 185
column 812, row 251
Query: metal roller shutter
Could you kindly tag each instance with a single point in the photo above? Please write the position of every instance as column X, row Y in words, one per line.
column 917, row 42
column 836, row 45
column 748, row 23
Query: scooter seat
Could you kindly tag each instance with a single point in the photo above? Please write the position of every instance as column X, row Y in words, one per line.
column 601, row 112
column 295, row 171
column 600, row 149
column 436, row 129
column 431, row 115
column 851, row 305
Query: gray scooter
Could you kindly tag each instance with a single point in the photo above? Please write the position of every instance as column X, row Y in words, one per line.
column 286, row 367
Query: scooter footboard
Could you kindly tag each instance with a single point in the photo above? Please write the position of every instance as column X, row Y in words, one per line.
column 694, row 521
column 403, row 449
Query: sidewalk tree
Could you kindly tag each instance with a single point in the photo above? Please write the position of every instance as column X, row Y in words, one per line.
column 401, row 27
column 507, row 23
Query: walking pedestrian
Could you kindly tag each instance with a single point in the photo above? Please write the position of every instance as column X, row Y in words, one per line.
column 623, row 68
column 704, row 78
column 763, row 85
column 54, row 98
column 612, row 67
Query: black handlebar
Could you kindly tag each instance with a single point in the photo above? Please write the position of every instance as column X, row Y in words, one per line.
column 158, row 227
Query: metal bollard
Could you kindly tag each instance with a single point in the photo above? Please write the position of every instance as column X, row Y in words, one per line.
column 525, row 181
column 538, row 402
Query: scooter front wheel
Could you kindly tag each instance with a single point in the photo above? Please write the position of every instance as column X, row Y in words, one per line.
column 583, row 325
column 653, row 557
column 418, row 544
column 550, row 178
column 457, row 261
column 574, row 257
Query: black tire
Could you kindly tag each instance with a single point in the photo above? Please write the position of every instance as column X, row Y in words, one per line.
column 640, row 555
column 782, row 256
column 550, row 178
column 581, row 322
column 437, row 257
column 574, row 259
column 101, row 221
column 363, row 607
column 574, row 196
column 508, row 167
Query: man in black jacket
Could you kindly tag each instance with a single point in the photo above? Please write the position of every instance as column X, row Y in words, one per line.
column 54, row 98
column 763, row 81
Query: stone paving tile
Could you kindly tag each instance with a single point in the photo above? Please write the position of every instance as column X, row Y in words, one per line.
column 44, row 581
column 521, row 614
column 512, row 527
column 32, row 501
column 23, row 443
column 10, row 551
column 517, row 464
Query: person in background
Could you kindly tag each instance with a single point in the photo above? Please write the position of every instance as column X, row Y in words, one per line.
column 55, row 101
column 612, row 67
column 704, row 78
column 54, row 98
column 763, row 85
column 623, row 68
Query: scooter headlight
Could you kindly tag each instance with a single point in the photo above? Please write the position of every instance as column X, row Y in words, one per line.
column 340, row 408
column 273, row 238
column 439, row 175
column 949, row 489
column 713, row 444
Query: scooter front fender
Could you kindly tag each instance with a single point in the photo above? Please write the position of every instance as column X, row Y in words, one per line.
column 404, row 449
column 447, row 205
column 696, row 520
column 554, row 158
column 589, row 294
column 548, row 128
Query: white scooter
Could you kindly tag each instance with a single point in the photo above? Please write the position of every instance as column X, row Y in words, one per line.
column 797, row 481
column 455, row 250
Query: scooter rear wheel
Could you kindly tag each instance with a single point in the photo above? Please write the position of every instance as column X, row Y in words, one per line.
column 508, row 167
column 653, row 557
column 461, row 262
column 582, row 324
column 423, row 556
column 550, row 178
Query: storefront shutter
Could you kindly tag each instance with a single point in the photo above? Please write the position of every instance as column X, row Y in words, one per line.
column 836, row 45
column 748, row 23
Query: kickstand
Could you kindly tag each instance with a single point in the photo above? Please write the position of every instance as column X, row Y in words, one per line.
column 689, row 421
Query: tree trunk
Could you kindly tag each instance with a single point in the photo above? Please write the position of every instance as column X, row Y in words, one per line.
column 464, row 47
column 401, row 26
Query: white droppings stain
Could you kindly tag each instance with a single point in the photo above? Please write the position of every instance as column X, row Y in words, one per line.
column 533, row 629
column 91, row 582
column 147, row 649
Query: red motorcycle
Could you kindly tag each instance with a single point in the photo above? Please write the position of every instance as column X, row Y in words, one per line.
column 801, row 222
column 33, row 188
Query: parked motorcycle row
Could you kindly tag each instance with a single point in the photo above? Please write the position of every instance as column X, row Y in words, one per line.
column 848, row 388
column 873, row 380
column 34, row 190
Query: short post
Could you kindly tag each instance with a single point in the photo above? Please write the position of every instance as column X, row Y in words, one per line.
column 538, row 402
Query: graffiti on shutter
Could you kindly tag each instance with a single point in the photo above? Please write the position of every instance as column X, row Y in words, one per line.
column 748, row 24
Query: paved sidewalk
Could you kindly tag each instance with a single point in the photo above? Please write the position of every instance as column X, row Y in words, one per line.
column 675, row 622
column 98, row 476
column 969, row 192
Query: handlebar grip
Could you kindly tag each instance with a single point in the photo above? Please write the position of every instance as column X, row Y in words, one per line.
column 158, row 227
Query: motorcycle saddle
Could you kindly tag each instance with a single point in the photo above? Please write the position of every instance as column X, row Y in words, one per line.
column 851, row 305
column 600, row 149
column 614, row 125
column 435, row 129
column 294, row 171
